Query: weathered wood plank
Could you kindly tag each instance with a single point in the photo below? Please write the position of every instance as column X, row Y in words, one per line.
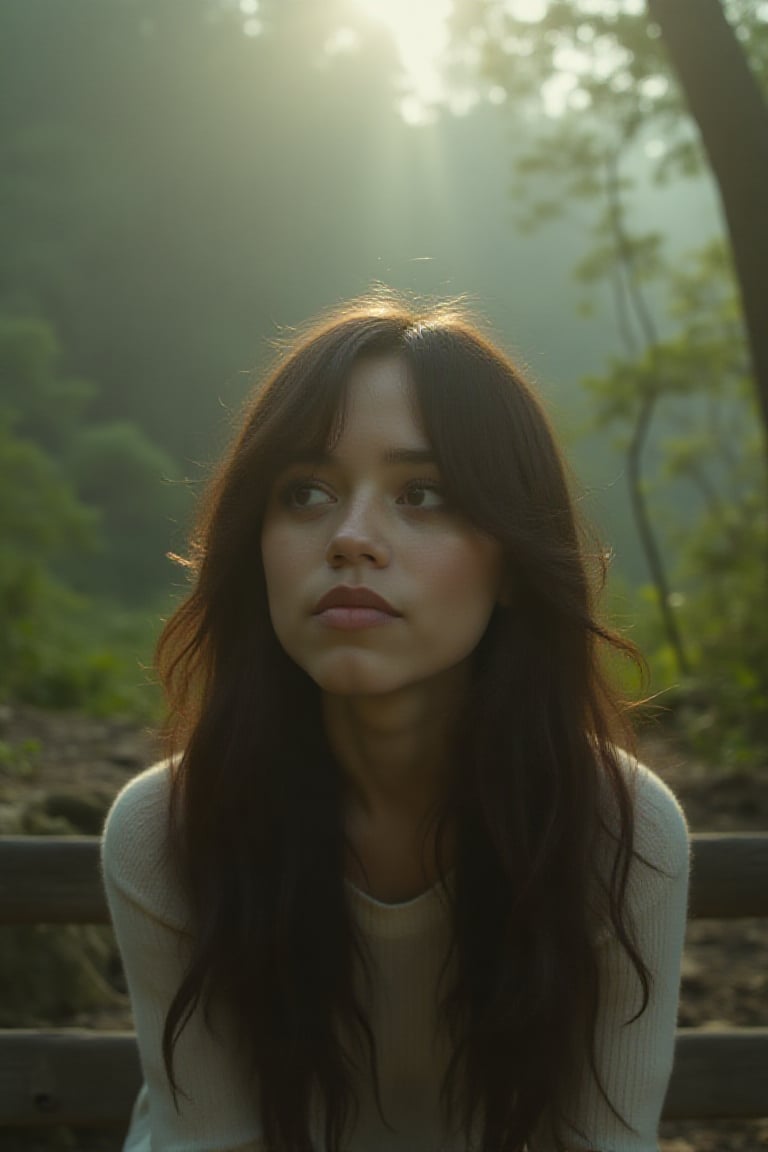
column 51, row 880
column 91, row 1078
column 729, row 876
column 67, row 1077
column 56, row 880
column 719, row 1075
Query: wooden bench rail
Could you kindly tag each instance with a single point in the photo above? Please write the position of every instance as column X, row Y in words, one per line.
column 51, row 880
column 90, row 1079
column 719, row 1075
column 56, row 880
column 729, row 875
column 67, row 1076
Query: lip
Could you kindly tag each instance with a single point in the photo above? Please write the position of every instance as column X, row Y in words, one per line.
column 353, row 597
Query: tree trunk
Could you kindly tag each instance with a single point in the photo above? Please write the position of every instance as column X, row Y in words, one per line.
column 647, row 535
column 732, row 116
column 636, row 306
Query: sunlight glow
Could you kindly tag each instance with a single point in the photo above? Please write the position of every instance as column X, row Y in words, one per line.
column 530, row 10
column 420, row 31
column 437, row 72
column 341, row 42
column 421, row 34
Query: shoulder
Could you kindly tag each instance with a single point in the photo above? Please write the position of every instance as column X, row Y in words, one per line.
column 136, row 852
column 661, row 835
column 138, row 818
column 661, row 828
column 659, row 868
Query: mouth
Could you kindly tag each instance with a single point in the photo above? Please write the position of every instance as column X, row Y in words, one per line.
column 354, row 599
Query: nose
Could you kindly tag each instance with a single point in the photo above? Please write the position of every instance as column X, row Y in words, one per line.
column 358, row 537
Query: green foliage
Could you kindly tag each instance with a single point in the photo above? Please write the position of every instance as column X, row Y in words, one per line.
column 720, row 554
column 725, row 566
column 66, row 651
column 39, row 403
column 40, row 519
column 40, row 516
column 75, row 502
column 134, row 487
column 113, row 675
column 611, row 63
column 19, row 761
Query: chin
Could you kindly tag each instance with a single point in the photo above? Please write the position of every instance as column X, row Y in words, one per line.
column 356, row 685
column 351, row 675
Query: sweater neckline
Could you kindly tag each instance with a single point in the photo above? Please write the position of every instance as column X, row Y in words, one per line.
column 405, row 917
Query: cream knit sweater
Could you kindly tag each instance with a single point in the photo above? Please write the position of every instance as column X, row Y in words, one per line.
column 218, row 1112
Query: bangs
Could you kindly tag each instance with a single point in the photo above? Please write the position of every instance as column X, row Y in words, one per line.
column 303, row 421
column 470, row 404
column 496, row 450
column 302, row 411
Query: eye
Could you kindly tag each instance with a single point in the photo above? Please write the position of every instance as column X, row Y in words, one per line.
column 425, row 494
column 305, row 494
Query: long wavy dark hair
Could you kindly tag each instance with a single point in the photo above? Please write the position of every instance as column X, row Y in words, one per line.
column 257, row 821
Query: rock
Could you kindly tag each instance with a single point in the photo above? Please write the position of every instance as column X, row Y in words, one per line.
column 127, row 756
column 84, row 812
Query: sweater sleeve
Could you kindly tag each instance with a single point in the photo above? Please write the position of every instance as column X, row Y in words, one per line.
column 217, row 1109
column 634, row 1059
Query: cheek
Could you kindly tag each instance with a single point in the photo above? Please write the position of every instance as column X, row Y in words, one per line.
column 280, row 570
column 466, row 570
column 283, row 556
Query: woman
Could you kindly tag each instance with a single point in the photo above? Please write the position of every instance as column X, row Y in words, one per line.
column 396, row 888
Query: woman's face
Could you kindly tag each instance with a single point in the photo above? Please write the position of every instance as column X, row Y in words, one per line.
column 374, row 583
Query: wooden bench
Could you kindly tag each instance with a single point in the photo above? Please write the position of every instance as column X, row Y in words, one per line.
column 89, row 1079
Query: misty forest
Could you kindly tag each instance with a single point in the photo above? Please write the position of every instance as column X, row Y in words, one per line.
column 184, row 182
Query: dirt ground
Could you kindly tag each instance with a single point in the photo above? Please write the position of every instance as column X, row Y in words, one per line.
column 61, row 767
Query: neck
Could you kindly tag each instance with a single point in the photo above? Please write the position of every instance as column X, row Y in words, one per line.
column 396, row 753
column 395, row 750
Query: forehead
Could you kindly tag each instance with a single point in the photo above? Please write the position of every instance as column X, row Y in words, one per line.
column 380, row 407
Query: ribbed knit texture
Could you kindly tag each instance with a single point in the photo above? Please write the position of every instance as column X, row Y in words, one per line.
column 218, row 1112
